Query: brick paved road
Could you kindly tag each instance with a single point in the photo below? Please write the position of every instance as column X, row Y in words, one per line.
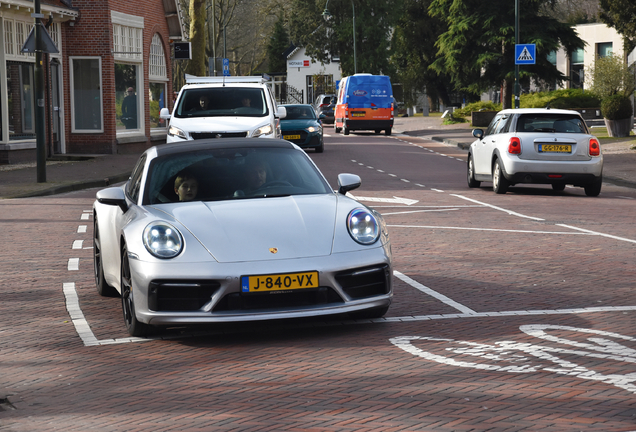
column 507, row 316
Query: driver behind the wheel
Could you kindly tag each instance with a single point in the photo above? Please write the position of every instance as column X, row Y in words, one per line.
column 255, row 177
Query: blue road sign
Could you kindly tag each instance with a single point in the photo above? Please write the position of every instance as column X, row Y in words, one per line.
column 525, row 54
column 226, row 67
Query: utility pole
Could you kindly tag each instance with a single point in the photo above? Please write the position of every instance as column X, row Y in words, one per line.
column 517, row 85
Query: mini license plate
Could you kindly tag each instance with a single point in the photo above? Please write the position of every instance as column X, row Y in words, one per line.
column 358, row 114
column 555, row 148
column 291, row 137
column 279, row 282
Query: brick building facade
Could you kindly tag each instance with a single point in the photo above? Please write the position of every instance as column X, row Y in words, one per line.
column 104, row 88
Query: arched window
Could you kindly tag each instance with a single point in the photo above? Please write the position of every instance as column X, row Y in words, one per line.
column 157, row 60
column 158, row 79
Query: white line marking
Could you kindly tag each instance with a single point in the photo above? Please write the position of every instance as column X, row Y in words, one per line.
column 77, row 244
column 81, row 325
column 418, row 211
column 405, row 181
column 624, row 197
column 380, row 171
column 510, row 212
column 598, row 233
column 85, row 216
column 420, row 185
column 73, row 264
column 488, row 229
column 392, row 175
column 433, row 293
column 437, row 190
column 81, row 229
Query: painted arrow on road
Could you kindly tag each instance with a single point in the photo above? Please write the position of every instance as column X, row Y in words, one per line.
column 394, row 200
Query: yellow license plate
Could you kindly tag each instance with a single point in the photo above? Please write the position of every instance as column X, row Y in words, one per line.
column 357, row 114
column 279, row 282
column 291, row 137
column 555, row 148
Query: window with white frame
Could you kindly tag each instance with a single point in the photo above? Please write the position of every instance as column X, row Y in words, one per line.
column 158, row 77
column 86, row 94
column 8, row 37
column 16, row 33
column 129, row 82
column 157, row 60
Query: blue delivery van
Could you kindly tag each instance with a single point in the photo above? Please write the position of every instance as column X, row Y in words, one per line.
column 365, row 102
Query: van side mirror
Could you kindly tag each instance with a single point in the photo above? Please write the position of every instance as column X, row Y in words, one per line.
column 282, row 112
column 164, row 114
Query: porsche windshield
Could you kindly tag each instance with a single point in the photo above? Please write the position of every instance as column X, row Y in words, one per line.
column 232, row 173
column 222, row 101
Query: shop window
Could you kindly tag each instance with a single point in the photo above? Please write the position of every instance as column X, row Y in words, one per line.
column 126, row 91
column 86, row 98
column 20, row 100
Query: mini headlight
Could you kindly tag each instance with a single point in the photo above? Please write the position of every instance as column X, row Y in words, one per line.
column 263, row 130
column 363, row 226
column 163, row 240
column 174, row 131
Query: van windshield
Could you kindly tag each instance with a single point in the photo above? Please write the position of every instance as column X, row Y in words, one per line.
column 222, row 101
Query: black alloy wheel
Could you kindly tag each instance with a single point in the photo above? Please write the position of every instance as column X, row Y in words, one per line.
column 134, row 327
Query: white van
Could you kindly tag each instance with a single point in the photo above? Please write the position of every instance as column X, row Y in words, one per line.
column 224, row 107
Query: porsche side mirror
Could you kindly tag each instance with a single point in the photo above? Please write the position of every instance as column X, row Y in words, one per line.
column 113, row 196
column 348, row 182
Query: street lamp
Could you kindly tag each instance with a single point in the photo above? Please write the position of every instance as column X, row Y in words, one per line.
column 327, row 16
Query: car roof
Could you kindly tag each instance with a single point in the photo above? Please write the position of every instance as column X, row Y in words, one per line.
column 296, row 105
column 221, row 85
column 219, row 143
column 537, row 111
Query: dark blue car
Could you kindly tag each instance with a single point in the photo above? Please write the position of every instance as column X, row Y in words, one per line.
column 303, row 127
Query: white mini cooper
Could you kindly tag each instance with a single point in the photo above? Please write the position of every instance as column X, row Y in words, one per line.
column 542, row 146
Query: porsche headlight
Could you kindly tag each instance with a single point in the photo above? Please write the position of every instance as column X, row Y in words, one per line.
column 174, row 131
column 363, row 226
column 263, row 130
column 163, row 240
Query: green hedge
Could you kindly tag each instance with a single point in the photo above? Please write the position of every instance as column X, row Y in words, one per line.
column 565, row 99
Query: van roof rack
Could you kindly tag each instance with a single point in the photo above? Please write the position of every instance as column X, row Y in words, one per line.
column 192, row 79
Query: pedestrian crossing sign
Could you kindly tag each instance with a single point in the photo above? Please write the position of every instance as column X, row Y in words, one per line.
column 525, row 54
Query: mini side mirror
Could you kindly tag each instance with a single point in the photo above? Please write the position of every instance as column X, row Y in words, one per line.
column 478, row 133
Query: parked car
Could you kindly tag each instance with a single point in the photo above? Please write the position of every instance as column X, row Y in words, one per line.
column 239, row 229
column 543, row 146
column 326, row 104
column 224, row 107
column 302, row 127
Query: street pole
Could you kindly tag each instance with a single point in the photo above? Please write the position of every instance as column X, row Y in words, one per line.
column 326, row 15
column 39, row 101
column 517, row 86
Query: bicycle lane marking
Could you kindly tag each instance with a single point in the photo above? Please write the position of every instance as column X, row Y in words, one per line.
column 516, row 357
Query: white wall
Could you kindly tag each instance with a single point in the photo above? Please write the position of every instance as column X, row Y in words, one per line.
column 296, row 76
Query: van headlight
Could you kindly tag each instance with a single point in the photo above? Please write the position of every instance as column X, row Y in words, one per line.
column 263, row 130
column 174, row 131
column 162, row 240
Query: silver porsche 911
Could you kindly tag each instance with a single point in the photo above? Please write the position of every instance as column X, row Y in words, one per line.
column 237, row 230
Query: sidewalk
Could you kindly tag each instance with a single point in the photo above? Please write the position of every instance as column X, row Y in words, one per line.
column 75, row 172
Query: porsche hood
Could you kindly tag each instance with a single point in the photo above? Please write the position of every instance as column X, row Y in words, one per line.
column 262, row 229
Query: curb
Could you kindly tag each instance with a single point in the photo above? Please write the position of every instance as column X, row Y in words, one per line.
column 87, row 184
